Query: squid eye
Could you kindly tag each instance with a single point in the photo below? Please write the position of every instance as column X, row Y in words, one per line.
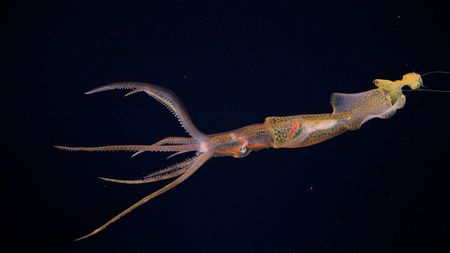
column 243, row 152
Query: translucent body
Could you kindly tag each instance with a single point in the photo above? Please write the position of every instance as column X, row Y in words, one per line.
column 350, row 112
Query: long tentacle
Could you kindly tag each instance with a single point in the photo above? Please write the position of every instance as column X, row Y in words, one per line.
column 166, row 173
column 177, row 153
column 176, row 140
column 199, row 161
column 165, row 96
column 171, row 141
column 135, row 148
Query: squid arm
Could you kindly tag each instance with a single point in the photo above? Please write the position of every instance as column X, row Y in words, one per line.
column 350, row 112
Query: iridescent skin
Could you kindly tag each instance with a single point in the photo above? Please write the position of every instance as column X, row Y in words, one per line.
column 350, row 111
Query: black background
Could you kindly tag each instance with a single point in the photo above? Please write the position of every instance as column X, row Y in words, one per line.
column 383, row 188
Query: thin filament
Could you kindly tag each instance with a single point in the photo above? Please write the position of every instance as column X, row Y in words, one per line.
column 436, row 72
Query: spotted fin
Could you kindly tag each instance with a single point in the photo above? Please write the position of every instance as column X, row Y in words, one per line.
column 364, row 106
column 345, row 102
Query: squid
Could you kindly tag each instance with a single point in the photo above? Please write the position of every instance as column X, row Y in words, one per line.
column 350, row 112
